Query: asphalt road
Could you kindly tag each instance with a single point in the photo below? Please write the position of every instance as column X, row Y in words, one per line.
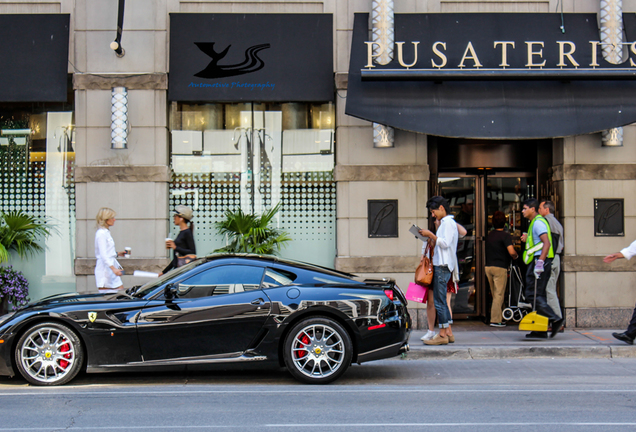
column 451, row 395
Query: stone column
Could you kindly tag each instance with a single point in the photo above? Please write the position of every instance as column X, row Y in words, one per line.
column 133, row 181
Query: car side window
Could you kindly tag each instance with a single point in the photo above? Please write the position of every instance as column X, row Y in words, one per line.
column 227, row 279
column 277, row 277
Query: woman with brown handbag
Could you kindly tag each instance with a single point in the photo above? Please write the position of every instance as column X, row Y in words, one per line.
column 444, row 263
column 451, row 289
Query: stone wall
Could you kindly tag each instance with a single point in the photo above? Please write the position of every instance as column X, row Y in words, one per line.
column 595, row 294
column 134, row 182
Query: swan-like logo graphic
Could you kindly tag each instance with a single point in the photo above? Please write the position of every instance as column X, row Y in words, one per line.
column 252, row 61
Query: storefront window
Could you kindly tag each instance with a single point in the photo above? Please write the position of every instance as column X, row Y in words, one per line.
column 255, row 156
column 37, row 161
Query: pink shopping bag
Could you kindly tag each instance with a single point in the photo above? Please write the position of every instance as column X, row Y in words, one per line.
column 417, row 293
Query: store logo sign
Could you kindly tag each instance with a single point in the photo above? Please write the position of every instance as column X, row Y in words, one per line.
column 252, row 62
column 498, row 64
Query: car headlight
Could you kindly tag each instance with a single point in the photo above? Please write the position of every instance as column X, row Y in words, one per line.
column 5, row 318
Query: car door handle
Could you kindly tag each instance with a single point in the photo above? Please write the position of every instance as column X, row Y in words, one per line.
column 258, row 301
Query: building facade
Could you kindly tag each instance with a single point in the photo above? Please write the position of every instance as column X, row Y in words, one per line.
column 244, row 104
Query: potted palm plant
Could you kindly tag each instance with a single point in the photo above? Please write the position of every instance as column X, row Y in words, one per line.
column 251, row 233
column 19, row 232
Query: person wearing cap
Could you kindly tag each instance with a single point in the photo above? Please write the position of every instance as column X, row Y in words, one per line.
column 183, row 246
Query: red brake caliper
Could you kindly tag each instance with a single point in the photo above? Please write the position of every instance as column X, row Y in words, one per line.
column 65, row 348
column 305, row 341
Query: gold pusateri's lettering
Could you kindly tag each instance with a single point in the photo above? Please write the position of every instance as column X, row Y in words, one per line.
column 370, row 55
column 439, row 54
column 595, row 45
column 563, row 54
column 532, row 53
column 632, row 48
column 504, row 51
column 400, row 54
column 472, row 56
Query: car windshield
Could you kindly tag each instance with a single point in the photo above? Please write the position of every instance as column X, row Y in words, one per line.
column 146, row 289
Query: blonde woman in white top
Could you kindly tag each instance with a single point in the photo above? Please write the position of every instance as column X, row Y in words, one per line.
column 107, row 269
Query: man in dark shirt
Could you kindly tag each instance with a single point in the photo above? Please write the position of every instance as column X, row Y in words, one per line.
column 499, row 249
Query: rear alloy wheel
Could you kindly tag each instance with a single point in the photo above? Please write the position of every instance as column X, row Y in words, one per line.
column 317, row 351
column 49, row 354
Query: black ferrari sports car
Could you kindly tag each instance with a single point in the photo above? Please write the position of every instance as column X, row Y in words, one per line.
column 216, row 310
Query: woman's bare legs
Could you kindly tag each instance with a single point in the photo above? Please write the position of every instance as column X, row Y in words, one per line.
column 449, row 332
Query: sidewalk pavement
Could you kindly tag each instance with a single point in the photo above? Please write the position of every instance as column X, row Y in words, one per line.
column 484, row 342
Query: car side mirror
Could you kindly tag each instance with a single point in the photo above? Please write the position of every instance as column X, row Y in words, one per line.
column 170, row 292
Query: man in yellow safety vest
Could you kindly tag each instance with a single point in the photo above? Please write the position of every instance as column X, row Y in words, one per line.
column 538, row 255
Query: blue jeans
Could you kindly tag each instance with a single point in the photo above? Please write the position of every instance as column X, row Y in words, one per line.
column 441, row 276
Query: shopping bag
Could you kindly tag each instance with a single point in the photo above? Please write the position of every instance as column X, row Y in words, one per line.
column 417, row 293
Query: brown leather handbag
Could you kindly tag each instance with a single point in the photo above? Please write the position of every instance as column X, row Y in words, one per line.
column 424, row 272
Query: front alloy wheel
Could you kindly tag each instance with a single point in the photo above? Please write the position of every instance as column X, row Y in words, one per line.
column 317, row 350
column 49, row 354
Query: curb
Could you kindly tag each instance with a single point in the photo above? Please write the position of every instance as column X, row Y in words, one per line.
column 626, row 351
column 513, row 352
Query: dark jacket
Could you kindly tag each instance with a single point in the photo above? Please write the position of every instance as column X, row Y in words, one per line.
column 185, row 246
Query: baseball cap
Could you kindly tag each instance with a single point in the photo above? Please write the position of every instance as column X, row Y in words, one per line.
column 184, row 211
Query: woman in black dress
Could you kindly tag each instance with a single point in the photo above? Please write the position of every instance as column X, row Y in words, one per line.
column 183, row 246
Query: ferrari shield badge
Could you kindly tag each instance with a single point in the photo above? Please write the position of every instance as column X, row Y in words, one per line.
column 92, row 316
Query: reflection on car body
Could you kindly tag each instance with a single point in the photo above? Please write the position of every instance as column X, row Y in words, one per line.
column 219, row 309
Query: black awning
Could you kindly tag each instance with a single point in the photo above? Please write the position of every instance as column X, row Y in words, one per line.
column 251, row 57
column 34, row 53
column 491, row 101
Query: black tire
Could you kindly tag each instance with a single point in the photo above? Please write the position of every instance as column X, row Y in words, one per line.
column 49, row 354
column 317, row 350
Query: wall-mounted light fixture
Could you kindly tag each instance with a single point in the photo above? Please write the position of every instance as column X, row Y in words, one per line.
column 383, row 136
column 612, row 137
column 119, row 118
column 116, row 44
column 383, row 34
column 614, row 51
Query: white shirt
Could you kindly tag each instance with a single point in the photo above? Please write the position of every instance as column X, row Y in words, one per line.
column 106, row 255
column 446, row 246
column 629, row 251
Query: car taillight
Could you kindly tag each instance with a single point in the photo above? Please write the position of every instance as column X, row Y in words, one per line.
column 389, row 293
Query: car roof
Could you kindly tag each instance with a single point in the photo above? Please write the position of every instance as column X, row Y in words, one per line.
column 272, row 259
